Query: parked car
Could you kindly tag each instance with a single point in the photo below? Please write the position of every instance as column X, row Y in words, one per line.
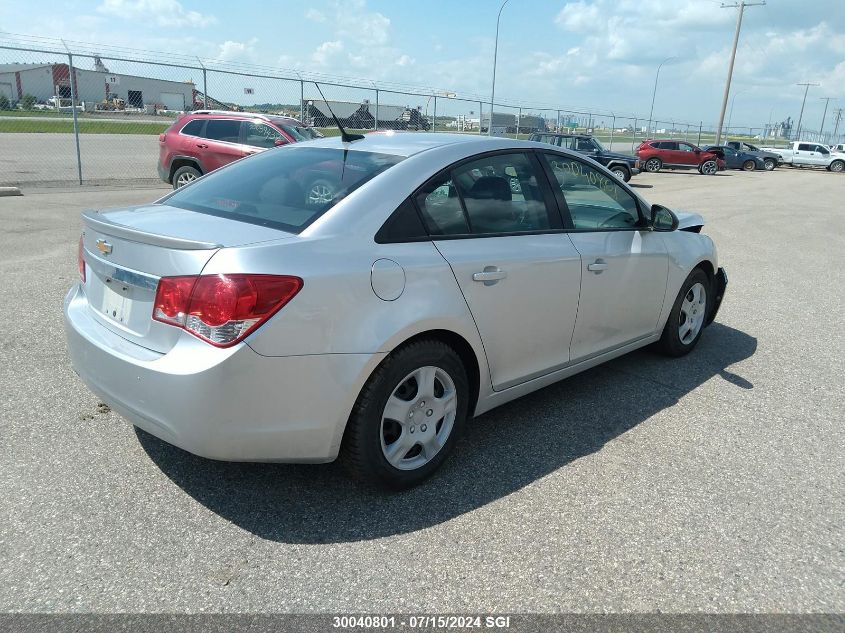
column 205, row 140
column 236, row 321
column 770, row 159
column 623, row 165
column 657, row 154
column 805, row 154
column 736, row 159
column 838, row 148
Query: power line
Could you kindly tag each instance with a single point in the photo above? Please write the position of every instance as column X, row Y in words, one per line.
column 741, row 6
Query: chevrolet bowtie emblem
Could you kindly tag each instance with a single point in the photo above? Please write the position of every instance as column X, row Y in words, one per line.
column 104, row 247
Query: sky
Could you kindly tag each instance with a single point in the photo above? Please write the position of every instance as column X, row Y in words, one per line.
column 599, row 54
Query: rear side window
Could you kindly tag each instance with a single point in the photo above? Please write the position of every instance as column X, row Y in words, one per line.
column 194, row 128
column 404, row 225
column 286, row 188
column 223, row 130
column 498, row 194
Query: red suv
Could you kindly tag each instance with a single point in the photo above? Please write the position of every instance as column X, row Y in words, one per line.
column 204, row 140
column 655, row 155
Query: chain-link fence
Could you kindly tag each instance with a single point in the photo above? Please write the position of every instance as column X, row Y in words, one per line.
column 69, row 115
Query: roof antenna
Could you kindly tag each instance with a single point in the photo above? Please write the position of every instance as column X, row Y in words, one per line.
column 345, row 136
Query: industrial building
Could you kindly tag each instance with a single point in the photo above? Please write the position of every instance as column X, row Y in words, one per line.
column 362, row 116
column 506, row 123
column 46, row 81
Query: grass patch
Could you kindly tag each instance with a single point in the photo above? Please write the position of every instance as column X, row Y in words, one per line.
column 86, row 126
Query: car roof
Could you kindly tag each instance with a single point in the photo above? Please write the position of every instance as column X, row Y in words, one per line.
column 274, row 118
column 410, row 143
column 566, row 134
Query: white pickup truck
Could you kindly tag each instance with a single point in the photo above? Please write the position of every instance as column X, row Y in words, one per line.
column 801, row 153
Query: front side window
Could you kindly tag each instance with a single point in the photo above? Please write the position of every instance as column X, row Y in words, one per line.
column 595, row 201
column 225, row 130
column 686, row 147
column 260, row 135
column 286, row 189
column 822, row 150
column 498, row 194
column 805, row 147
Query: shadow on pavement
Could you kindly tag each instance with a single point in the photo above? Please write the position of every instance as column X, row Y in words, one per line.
column 500, row 453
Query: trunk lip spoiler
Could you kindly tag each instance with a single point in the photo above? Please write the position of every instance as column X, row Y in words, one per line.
column 98, row 222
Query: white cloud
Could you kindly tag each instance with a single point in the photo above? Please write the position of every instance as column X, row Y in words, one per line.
column 326, row 52
column 159, row 12
column 315, row 16
column 405, row 60
column 231, row 51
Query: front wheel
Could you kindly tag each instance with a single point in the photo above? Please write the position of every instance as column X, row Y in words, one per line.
column 769, row 164
column 621, row 173
column 708, row 168
column 408, row 416
column 837, row 166
column 689, row 313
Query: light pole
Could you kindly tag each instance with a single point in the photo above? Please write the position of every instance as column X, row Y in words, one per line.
column 731, row 113
column 493, row 88
column 654, row 94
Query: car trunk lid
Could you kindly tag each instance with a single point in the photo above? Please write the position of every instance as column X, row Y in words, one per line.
column 127, row 250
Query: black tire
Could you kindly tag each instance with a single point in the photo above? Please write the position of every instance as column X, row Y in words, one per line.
column 837, row 166
column 653, row 165
column 622, row 172
column 749, row 165
column 185, row 175
column 362, row 451
column 670, row 342
column 708, row 168
column 769, row 164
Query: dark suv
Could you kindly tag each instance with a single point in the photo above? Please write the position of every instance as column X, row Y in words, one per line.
column 622, row 165
column 205, row 140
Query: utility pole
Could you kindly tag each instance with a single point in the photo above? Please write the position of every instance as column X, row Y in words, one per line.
column 836, row 125
column 741, row 6
column 824, row 116
column 801, row 116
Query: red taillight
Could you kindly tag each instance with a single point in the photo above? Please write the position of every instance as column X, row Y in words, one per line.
column 222, row 309
column 80, row 260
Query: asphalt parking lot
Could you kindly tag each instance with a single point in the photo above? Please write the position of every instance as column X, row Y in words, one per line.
column 708, row 483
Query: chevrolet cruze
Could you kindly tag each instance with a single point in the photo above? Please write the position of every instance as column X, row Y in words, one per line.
column 241, row 318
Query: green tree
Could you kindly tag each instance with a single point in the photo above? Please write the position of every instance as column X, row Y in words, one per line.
column 4, row 102
column 28, row 102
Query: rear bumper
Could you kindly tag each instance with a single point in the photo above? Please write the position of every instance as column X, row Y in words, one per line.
column 720, row 284
column 163, row 173
column 228, row 404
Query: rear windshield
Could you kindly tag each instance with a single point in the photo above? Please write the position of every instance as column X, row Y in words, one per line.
column 285, row 188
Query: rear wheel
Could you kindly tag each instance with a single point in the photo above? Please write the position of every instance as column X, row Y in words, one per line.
column 653, row 165
column 689, row 313
column 623, row 173
column 708, row 168
column 748, row 165
column 769, row 164
column 408, row 416
column 185, row 176
column 837, row 165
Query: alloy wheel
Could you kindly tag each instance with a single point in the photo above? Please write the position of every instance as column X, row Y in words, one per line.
column 184, row 179
column 709, row 168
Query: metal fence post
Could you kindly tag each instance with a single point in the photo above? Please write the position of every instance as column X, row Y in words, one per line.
column 480, row 105
column 700, row 125
column 434, row 116
column 204, row 89
column 375, row 126
column 518, row 122
column 72, row 78
column 302, row 102
column 558, row 121
column 612, row 128
column 634, row 136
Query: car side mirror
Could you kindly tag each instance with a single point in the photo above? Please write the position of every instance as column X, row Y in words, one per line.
column 280, row 141
column 663, row 219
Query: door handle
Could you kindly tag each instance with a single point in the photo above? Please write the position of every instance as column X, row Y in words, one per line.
column 597, row 266
column 489, row 275
column 202, row 145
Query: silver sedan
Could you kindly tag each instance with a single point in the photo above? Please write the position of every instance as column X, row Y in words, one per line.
column 366, row 299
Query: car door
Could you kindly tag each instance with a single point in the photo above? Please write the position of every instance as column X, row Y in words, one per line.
column 687, row 155
column 804, row 154
column 822, row 155
column 223, row 143
column 624, row 264
column 494, row 219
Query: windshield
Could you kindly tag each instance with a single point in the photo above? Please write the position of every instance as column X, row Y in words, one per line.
column 298, row 133
column 285, row 188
